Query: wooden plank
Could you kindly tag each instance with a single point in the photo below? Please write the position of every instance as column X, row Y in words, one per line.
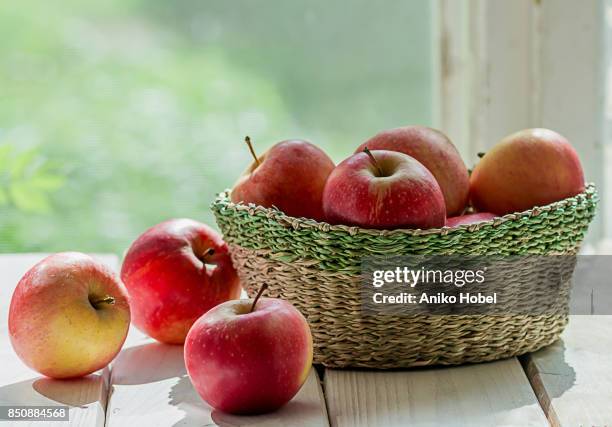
column 150, row 386
column 20, row 385
column 573, row 377
column 490, row 394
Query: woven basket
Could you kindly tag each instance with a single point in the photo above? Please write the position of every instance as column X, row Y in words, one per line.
column 317, row 266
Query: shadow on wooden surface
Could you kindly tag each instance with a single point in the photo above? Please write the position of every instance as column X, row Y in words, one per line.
column 564, row 376
column 86, row 397
column 306, row 409
column 150, row 387
column 573, row 377
column 148, row 363
column 184, row 397
column 46, row 391
column 75, row 392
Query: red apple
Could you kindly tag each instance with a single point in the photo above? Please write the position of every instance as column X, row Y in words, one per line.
column 436, row 152
column 175, row 272
column 383, row 189
column 533, row 167
column 290, row 176
column 248, row 361
column 69, row 316
column 469, row 219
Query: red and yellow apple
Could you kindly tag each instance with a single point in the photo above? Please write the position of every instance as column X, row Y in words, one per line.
column 469, row 219
column 175, row 272
column 290, row 176
column 533, row 167
column 436, row 152
column 383, row 189
column 69, row 316
column 249, row 361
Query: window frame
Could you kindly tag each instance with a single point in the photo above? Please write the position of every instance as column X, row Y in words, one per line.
column 507, row 65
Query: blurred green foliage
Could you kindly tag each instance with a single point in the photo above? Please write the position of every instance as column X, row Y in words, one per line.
column 125, row 113
column 26, row 180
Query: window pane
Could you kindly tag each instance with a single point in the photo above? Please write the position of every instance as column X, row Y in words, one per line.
column 135, row 111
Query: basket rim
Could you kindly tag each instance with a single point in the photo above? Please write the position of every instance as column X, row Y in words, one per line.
column 223, row 199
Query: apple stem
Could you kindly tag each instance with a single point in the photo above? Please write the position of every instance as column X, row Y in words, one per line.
column 373, row 159
column 261, row 290
column 208, row 252
column 250, row 145
column 105, row 300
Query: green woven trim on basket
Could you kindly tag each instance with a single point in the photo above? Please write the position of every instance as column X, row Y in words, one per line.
column 555, row 228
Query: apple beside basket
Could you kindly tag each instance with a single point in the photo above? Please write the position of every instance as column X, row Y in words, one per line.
column 317, row 267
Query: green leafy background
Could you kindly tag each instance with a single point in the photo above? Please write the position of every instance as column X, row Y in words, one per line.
column 116, row 115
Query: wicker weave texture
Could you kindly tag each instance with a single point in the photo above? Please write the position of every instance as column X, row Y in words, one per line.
column 317, row 267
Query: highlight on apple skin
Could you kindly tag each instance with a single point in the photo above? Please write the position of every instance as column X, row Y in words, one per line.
column 290, row 176
column 436, row 152
column 69, row 316
column 175, row 272
column 244, row 362
column 383, row 189
column 533, row 167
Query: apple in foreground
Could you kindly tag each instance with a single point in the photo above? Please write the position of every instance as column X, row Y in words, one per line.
column 291, row 176
column 175, row 272
column 436, row 152
column 249, row 356
column 533, row 167
column 69, row 316
column 383, row 189
column 473, row 218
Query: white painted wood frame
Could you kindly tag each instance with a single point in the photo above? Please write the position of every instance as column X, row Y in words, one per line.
column 508, row 65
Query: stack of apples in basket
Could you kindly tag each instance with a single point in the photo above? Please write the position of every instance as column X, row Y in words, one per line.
column 412, row 177
column 69, row 315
